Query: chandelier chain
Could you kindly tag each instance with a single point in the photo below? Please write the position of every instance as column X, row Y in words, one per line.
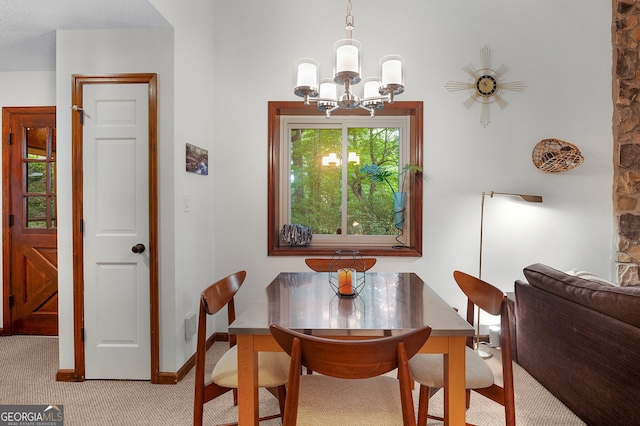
column 349, row 19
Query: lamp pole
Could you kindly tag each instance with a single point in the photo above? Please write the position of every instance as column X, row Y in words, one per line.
column 481, row 353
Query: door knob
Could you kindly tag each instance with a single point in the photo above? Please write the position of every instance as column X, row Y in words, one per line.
column 138, row 248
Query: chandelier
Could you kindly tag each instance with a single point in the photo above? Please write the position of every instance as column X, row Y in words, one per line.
column 347, row 65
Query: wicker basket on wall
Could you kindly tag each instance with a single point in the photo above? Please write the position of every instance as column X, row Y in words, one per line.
column 555, row 156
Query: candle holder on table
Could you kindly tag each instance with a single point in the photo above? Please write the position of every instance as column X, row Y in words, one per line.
column 346, row 273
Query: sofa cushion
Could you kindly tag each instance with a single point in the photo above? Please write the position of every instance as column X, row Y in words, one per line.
column 622, row 303
column 589, row 276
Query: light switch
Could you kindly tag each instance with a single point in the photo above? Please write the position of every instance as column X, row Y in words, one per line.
column 187, row 202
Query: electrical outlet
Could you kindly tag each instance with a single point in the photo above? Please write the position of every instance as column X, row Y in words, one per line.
column 189, row 325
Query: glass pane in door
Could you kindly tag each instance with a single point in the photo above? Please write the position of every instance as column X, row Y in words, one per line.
column 36, row 212
column 36, row 177
column 52, row 154
column 54, row 218
column 52, row 173
column 36, row 143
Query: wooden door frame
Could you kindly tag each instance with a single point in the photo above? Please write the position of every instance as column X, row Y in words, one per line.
column 77, row 216
column 7, row 242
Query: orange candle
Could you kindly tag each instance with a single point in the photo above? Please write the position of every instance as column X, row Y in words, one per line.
column 345, row 281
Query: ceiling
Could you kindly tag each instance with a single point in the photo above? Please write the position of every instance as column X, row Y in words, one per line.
column 27, row 27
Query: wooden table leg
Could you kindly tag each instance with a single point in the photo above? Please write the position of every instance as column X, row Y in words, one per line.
column 454, row 385
column 247, row 381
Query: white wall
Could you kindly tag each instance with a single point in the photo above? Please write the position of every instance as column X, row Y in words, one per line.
column 194, row 109
column 34, row 88
column 560, row 49
column 103, row 52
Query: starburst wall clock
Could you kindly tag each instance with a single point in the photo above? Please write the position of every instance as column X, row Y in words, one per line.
column 485, row 86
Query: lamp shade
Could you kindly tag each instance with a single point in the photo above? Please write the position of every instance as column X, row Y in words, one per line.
column 306, row 77
column 328, row 89
column 331, row 160
column 353, row 158
column 392, row 74
column 347, row 61
column 372, row 87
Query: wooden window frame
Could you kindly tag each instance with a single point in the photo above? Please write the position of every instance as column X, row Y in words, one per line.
column 277, row 109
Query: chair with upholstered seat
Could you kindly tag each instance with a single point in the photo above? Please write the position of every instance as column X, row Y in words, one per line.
column 323, row 265
column 273, row 367
column 427, row 369
column 352, row 388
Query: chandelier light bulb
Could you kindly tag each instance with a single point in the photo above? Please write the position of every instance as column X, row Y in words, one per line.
column 371, row 87
column 331, row 160
column 392, row 72
column 328, row 90
column 306, row 77
column 353, row 158
column 347, row 61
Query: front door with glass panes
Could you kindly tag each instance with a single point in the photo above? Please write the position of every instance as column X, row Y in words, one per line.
column 32, row 221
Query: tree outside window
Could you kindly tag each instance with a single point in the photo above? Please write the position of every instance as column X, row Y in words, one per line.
column 317, row 186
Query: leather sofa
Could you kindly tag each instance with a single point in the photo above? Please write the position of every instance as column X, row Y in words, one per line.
column 580, row 339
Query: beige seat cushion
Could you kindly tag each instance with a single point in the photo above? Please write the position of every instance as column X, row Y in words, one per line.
column 330, row 401
column 273, row 369
column 427, row 369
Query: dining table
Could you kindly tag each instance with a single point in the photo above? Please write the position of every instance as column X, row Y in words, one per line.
column 385, row 303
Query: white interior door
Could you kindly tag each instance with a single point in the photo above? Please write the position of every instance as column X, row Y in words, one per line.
column 116, row 218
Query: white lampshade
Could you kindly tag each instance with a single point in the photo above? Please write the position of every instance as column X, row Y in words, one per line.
column 328, row 89
column 331, row 160
column 353, row 158
column 306, row 75
column 392, row 71
column 347, row 61
column 372, row 87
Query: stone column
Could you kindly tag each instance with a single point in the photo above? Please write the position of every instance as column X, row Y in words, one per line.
column 626, row 136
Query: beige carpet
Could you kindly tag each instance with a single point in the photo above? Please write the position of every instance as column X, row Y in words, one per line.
column 27, row 376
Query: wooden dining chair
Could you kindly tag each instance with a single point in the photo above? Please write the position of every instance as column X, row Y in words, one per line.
column 351, row 388
column 273, row 367
column 427, row 369
column 324, row 265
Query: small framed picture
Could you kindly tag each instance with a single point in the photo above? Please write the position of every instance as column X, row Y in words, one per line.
column 197, row 160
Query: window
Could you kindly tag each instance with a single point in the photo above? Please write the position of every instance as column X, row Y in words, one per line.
column 326, row 189
column 315, row 179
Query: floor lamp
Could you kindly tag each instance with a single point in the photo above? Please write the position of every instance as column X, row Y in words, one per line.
column 523, row 197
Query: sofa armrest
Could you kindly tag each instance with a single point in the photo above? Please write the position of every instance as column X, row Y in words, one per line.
column 588, row 360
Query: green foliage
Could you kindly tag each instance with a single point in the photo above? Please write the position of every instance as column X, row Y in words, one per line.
column 316, row 190
column 36, row 206
column 376, row 173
